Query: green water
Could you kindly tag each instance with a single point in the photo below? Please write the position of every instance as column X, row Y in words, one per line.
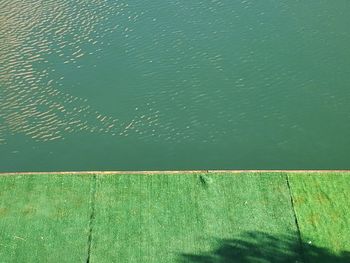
column 139, row 85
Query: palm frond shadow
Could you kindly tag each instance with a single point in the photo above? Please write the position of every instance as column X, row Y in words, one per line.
column 261, row 247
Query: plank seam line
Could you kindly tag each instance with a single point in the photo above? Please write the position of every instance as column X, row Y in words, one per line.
column 295, row 218
column 92, row 216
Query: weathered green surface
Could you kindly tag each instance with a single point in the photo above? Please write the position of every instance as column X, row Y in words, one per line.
column 172, row 218
column 194, row 218
column 322, row 205
column 44, row 218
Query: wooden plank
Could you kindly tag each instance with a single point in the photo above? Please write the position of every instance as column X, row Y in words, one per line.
column 323, row 212
column 44, row 218
column 175, row 218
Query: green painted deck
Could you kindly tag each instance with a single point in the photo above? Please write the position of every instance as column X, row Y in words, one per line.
column 194, row 217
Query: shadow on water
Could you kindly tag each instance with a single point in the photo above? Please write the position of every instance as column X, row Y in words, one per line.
column 261, row 247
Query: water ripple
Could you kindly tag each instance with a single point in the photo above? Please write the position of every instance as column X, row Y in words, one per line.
column 36, row 34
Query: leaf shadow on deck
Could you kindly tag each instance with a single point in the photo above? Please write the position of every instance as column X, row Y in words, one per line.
column 261, row 247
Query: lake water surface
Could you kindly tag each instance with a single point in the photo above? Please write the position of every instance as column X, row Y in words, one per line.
column 139, row 85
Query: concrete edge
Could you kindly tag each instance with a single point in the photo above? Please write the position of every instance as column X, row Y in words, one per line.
column 171, row 172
